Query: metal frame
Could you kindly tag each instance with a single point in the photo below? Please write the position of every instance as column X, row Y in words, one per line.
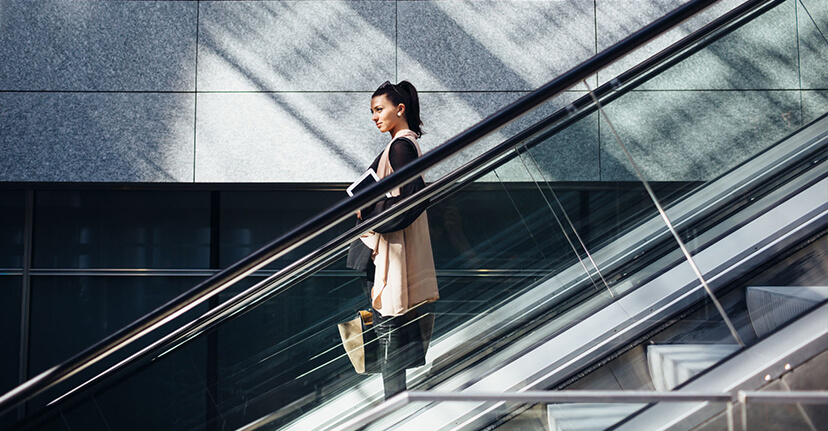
column 137, row 272
column 603, row 397
column 26, row 292
column 770, row 358
column 344, row 209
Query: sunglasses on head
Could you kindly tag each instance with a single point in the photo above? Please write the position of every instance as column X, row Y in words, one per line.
column 393, row 87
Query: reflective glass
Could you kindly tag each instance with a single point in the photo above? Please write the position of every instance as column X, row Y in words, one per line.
column 299, row 323
column 604, row 213
column 175, row 386
column 69, row 314
column 786, row 287
column 12, row 213
column 252, row 219
column 492, row 225
column 678, row 126
column 122, row 229
column 10, row 306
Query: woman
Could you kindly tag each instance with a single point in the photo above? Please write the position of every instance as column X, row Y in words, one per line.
column 400, row 267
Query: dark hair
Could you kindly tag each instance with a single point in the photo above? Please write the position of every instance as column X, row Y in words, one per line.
column 404, row 93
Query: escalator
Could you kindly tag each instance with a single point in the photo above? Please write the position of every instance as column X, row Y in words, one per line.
column 551, row 341
column 547, row 290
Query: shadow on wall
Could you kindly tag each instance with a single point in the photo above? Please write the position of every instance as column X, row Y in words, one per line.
column 676, row 134
column 283, row 84
column 342, row 48
column 330, row 57
column 713, row 110
column 480, row 56
column 96, row 91
column 260, row 51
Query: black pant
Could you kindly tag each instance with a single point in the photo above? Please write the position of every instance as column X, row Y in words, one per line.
column 400, row 342
column 392, row 352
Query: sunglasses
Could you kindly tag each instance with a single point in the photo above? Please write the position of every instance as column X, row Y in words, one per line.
column 393, row 87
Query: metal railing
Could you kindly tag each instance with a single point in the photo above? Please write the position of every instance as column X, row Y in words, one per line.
column 603, row 397
column 344, row 209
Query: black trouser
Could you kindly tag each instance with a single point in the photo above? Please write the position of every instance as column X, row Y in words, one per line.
column 392, row 351
column 400, row 342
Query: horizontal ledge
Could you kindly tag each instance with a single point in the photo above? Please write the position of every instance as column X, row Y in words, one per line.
column 642, row 90
column 131, row 272
column 631, row 397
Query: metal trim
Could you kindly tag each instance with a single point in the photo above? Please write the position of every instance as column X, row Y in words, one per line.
column 792, row 345
column 137, row 272
column 26, row 294
column 604, row 397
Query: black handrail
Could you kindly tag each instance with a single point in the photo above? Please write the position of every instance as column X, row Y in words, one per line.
column 343, row 209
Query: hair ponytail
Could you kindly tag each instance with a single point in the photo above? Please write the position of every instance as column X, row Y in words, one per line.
column 404, row 93
column 412, row 112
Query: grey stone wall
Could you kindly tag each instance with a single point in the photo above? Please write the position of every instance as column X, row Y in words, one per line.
column 278, row 91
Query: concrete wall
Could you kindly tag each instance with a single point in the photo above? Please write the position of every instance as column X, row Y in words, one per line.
column 278, row 91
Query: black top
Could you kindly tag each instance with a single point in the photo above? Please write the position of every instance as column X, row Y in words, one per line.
column 401, row 153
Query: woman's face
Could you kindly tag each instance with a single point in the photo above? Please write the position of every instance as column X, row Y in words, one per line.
column 385, row 115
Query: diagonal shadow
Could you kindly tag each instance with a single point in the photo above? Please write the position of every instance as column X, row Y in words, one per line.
column 310, row 124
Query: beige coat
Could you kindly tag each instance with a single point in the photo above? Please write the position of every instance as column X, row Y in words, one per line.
column 405, row 275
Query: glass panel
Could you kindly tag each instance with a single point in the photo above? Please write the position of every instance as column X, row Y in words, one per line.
column 12, row 214
column 493, row 226
column 251, row 219
column 172, row 394
column 786, row 287
column 679, row 126
column 122, row 229
column 300, row 323
column 613, row 207
column 69, row 314
column 10, row 307
column 603, row 213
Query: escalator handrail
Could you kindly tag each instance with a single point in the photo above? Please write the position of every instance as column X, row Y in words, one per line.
column 344, row 209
